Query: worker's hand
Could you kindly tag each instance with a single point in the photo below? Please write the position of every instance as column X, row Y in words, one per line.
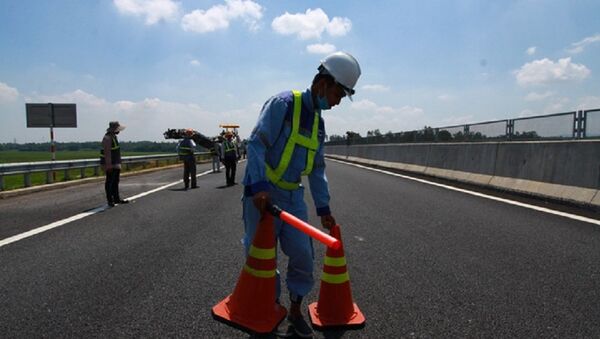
column 261, row 201
column 328, row 221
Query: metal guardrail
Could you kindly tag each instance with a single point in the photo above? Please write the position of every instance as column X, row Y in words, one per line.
column 579, row 124
column 49, row 167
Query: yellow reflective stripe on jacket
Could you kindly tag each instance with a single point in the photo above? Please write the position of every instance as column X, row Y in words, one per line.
column 335, row 278
column 259, row 273
column 295, row 138
column 335, row 261
column 228, row 146
column 261, row 253
column 115, row 145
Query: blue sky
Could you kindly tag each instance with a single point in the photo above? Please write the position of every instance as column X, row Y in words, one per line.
column 160, row 64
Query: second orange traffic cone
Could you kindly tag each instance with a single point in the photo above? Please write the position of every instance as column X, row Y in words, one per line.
column 335, row 307
column 252, row 307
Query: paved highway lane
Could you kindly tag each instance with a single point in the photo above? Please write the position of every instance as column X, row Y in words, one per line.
column 424, row 261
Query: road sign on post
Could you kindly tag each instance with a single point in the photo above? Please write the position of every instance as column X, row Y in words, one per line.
column 51, row 115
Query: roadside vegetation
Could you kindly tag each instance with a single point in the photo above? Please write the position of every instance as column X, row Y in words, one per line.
column 34, row 152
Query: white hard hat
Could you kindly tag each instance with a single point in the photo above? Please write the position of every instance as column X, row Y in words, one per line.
column 344, row 68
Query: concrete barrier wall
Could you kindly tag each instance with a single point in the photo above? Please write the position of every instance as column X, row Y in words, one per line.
column 565, row 170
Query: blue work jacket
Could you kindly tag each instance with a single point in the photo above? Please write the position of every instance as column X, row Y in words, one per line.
column 268, row 141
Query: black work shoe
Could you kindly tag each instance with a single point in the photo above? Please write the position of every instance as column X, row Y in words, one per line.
column 121, row 201
column 111, row 204
column 194, row 186
column 283, row 330
column 300, row 327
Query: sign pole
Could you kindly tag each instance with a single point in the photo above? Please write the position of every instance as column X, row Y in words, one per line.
column 52, row 146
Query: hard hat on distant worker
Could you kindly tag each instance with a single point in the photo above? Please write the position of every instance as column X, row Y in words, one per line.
column 344, row 68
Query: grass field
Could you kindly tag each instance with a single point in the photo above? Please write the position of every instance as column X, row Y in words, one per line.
column 18, row 181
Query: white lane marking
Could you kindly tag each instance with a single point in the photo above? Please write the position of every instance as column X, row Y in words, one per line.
column 79, row 216
column 50, row 226
column 481, row 195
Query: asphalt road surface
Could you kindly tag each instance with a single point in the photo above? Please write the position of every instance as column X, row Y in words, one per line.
column 424, row 261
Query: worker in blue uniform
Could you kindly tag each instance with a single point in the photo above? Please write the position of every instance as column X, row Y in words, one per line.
column 185, row 150
column 287, row 142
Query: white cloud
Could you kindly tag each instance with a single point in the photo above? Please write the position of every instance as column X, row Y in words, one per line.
column 365, row 115
column 153, row 10
column 311, row 24
column 195, row 62
column 531, row 50
column 320, row 48
column 445, row 97
column 339, row 26
column 579, row 46
column 386, row 115
column 534, row 96
column 375, row 88
column 556, row 106
column 546, row 71
column 589, row 102
column 7, row 93
column 219, row 16
column 79, row 97
column 145, row 119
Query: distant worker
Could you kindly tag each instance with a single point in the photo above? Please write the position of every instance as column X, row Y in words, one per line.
column 185, row 149
column 215, row 154
column 230, row 157
column 286, row 143
column 110, row 159
column 243, row 148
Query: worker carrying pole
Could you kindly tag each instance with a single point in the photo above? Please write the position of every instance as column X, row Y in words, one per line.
column 286, row 143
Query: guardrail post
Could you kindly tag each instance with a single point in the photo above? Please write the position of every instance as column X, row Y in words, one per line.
column 1, row 183
column 576, row 125
column 82, row 172
column 49, row 177
column 584, row 124
column 580, row 126
column 97, row 171
column 510, row 129
column 67, row 175
column 27, row 179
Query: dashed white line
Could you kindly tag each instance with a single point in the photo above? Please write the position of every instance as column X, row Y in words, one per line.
column 481, row 195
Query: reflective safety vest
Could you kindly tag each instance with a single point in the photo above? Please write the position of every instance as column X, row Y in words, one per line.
column 311, row 144
column 115, row 153
column 228, row 147
column 185, row 148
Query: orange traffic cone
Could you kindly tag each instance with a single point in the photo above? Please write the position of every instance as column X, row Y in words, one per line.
column 252, row 307
column 335, row 307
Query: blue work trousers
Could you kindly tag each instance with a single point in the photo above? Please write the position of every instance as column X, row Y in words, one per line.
column 294, row 243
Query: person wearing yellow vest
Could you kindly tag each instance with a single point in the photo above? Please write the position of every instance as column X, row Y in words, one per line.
column 229, row 157
column 185, row 150
column 110, row 160
column 287, row 143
